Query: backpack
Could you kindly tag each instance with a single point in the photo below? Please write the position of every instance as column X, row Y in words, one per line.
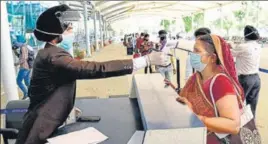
column 31, row 57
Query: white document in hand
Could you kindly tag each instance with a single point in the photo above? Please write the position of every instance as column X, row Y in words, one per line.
column 86, row 136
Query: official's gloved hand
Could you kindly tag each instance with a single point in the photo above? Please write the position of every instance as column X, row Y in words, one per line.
column 157, row 58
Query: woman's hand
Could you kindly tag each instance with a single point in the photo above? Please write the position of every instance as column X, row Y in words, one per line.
column 202, row 118
column 174, row 71
column 183, row 100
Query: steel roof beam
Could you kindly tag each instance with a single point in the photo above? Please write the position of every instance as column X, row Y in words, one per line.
column 195, row 7
column 139, row 13
column 117, row 17
column 118, row 10
column 117, row 5
column 99, row 3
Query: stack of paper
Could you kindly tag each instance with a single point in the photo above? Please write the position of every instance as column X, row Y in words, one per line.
column 86, row 136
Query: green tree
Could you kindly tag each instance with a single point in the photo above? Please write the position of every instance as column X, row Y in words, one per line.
column 198, row 19
column 187, row 23
column 166, row 24
column 217, row 23
column 226, row 24
column 239, row 16
column 173, row 22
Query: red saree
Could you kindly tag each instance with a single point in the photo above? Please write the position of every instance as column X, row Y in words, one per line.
column 195, row 93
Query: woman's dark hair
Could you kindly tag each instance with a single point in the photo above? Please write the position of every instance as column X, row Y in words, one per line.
column 202, row 31
column 210, row 46
column 142, row 34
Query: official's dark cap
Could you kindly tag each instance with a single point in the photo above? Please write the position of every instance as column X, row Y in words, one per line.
column 54, row 21
column 162, row 32
column 251, row 33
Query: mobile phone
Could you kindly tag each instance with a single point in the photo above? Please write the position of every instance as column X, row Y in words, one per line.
column 89, row 119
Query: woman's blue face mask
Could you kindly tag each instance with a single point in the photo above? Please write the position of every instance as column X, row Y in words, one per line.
column 67, row 41
column 196, row 62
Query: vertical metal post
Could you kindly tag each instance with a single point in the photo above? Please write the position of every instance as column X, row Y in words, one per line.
column 86, row 29
column 95, row 31
column 7, row 68
column 177, row 67
column 101, row 33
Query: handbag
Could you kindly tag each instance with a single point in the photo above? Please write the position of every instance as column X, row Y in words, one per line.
column 248, row 133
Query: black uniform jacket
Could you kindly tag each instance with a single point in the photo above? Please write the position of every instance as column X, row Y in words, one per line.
column 52, row 89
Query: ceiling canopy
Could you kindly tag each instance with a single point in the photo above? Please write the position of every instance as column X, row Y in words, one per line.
column 118, row 10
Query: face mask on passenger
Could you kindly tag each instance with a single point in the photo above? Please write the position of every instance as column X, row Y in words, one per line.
column 196, row 62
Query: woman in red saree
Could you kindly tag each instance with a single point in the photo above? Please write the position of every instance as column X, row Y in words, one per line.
column 212, row 56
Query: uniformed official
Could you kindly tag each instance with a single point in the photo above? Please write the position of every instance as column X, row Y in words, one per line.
column 52, row 87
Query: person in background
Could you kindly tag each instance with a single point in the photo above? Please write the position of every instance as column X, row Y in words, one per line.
column 247, row 64
column 55, row 71
column 130, row 44
column 214, row 65
column 26, row 58
column 139, row 42
column 135, row 42
column 189, row 69
column 146, row 47
column 67, row 40
column 166, row 46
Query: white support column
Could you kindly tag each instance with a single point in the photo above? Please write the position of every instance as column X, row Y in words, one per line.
column 247, row 12
column 95, row 31
column 7, row 68
column 86, row 29
column 203, row 23
column 104, row 29
column 65, row 2
column 221, row 19
column 192, row 22
column 101, row 32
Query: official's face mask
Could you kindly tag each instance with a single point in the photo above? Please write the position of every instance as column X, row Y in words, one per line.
column 67, row 42
column 196, row 63
column 162, row 38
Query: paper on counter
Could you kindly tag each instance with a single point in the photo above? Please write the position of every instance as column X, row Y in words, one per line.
column 86, row 136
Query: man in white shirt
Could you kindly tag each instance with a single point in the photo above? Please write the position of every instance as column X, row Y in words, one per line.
column 247, row 65
column 166, row 46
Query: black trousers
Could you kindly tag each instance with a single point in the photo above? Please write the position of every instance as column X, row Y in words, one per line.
column 251, row 85
column 146, row 69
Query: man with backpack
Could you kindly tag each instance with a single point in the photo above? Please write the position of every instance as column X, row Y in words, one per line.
column 25, row 54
